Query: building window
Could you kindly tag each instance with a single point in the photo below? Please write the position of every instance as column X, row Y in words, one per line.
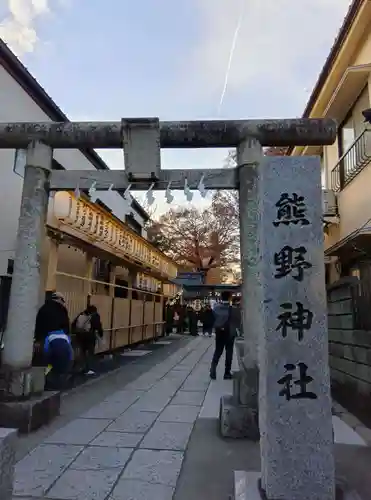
column 354, row 144
column 353, row 125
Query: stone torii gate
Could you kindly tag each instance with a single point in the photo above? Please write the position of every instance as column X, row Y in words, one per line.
column 142, row 140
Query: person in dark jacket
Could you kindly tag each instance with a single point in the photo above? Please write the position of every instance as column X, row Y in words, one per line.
column 207, row 318
column 88, row 327
column 192, row 317
column 169, row 319
column 227, row 324
column 182, row 319
column 52, row 331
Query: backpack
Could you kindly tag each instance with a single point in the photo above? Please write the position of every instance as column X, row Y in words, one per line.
column 83, row 323
column 222, row 313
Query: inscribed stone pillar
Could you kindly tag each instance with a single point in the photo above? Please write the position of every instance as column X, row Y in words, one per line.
column 24, row 294
column 294, row 385
column 52, row 265
column 249, row 157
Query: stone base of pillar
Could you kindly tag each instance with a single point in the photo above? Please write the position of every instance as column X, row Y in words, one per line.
column 8, row 442
column 239, row 413
column 245, row 387
column 237, row 421
column 23, row 403
column 246, row 380
column 30, row 414
column 18, row 385
column 247, row 486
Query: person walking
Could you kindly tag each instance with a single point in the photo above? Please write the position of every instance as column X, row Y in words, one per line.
column 227, row 322
column 52, row 332
column 88, row 329
column 169, row 319
column 192, row 317
column 207, row 319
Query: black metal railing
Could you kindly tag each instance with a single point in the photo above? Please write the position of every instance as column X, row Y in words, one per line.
column 353, row 161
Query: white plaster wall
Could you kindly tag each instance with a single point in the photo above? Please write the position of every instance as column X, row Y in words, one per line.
column 17, row 105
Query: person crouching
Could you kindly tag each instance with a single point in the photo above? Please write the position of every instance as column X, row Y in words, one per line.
column 52, row 330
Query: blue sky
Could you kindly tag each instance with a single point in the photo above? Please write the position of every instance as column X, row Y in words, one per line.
column 106, row 59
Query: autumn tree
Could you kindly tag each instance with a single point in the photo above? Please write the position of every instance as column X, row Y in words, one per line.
column 197, row 240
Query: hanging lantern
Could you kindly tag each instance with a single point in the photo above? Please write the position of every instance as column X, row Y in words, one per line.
column 64, row 207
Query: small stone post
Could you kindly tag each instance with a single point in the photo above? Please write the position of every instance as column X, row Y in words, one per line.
column 8, row 445
column 294, row 384
column 24, row 295
column 249, row 157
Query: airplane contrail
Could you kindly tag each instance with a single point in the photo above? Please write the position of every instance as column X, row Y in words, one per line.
column 231, row 53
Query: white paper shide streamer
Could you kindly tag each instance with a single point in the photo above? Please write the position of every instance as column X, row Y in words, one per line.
column 93, row 192
column 150, row 196
column 188, row 193
column 168, row 194
column 201, row 187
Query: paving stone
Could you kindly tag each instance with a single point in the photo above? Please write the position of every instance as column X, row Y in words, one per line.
column 106, row 410
column 167, row 436
column 97, row 458
column 79, row 431
column 35, row 473
column 179, row 413
column 114, row 406
column 133, row 421
column 195, row 385
column 168, row 387
column 140, row 385
column 128, row 489
column 118, row 439
column 125, row 395
column 162, row 467
column 84, row 485
column 152, row 402
column 189, row 398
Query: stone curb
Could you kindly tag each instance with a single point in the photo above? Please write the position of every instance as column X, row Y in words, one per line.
column 353, row 422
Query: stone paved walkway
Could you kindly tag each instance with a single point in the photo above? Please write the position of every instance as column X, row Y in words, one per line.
column 131, row 445
column 135, row 443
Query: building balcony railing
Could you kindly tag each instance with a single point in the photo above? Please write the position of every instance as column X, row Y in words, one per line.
column 353, row 161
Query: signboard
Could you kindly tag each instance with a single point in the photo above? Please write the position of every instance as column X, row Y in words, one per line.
column 190, row 279
column 197, row 305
